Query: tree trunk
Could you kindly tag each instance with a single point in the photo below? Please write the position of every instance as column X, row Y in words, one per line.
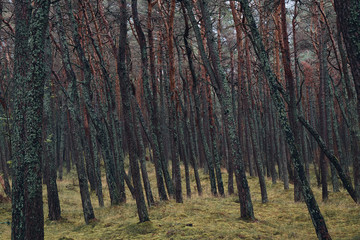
column 126, row 90
column 49, row 143
column 223, row 92
column 291, row 88
column 314, row 211
column 75, row 123
column 349, row 19
column 21, row 66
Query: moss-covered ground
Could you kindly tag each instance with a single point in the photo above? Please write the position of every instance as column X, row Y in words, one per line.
column 201, row 217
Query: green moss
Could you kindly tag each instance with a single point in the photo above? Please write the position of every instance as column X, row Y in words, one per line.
column 140, row 228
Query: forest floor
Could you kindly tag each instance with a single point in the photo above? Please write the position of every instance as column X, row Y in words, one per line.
column 201, row 217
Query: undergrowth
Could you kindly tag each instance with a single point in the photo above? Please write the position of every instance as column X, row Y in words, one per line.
column 201, row 217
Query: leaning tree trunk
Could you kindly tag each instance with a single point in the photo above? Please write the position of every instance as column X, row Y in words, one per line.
column 192, row 130
column 314, row 211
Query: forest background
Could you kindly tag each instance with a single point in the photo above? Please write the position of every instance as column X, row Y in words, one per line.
column 127, row 89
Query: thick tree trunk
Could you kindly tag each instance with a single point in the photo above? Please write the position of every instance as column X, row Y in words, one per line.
column 21, row 66
column 349, row 19
column 30, row 71
column 30, row 212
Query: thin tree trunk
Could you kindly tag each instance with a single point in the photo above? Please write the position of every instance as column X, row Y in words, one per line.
column 223, row 92
column 74, row 110
column 49, row 143
column 291, row 88
column 126, row 90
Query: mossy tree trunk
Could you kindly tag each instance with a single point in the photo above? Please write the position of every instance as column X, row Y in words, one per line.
column 203, row 141
column 21, row 66
column 223, row 91
column 313, row 208
column 30, row 71
column 34, row 216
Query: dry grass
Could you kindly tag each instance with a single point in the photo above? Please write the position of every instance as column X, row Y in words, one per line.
column 204, row 217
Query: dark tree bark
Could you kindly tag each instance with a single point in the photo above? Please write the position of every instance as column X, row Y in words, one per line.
column 322, row 110
column 5, row 172
column 142, row 159
column 291, row 88
column 182, row 128
column 173, row 104
column 29, row 224
column 313, row 208
column 21, row 66
column 192, row 132
column 127, row 89
column 223, row 91
column 49, row 144
column 257, row 155
column 74, row 122
column 343, row 176
column 150, row 99
column 116, row 196
column 34, row 215
column 349, row 19
column 203, row 141
column 99, row 192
